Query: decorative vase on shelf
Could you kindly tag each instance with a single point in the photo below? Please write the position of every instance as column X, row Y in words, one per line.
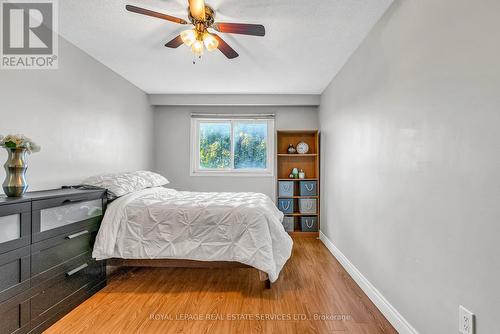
column 291, row 149
column 18, row 147
column 15, row 184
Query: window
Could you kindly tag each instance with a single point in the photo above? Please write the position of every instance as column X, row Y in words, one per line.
column 232, row 146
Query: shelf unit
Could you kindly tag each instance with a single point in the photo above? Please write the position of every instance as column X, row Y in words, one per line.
column 297, row 180
column 309, row 162
column 294, row 155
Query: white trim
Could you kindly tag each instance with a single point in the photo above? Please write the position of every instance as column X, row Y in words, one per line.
column 231, row 152
column 392, row 315
column 194, row 169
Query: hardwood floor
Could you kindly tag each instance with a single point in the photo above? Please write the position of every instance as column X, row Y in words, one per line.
column 313, row 295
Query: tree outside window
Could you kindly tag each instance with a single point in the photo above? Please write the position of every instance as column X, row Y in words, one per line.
column 237, row 146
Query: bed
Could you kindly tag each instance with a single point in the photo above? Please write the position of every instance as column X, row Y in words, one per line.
column 159, row 226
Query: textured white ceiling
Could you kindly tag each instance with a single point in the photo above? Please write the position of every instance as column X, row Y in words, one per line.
column 307, row 43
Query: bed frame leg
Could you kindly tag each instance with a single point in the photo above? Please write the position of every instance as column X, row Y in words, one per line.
column 265, row 278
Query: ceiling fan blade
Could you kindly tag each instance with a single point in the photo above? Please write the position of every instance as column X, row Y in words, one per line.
column 240, row 28
column 225, row 48
column 197, row 9
column 148, row 12
column 175, row 43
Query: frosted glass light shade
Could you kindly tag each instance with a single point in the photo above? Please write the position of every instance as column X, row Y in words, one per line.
column 211, row 43
column 188, row 37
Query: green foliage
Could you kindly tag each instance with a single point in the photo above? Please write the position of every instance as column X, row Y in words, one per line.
column 215, row 147
column 250, row 151
column 250, row 145
column 10, row 144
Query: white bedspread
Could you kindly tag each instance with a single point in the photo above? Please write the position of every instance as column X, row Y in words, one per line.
column 161, row 223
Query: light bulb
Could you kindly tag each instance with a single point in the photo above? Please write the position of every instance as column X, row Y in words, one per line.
column 211, row 43
column 197, row 48
column 188, row 37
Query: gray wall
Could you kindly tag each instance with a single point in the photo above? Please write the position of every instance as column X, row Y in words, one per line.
column 86, row 118
column 172, row 142
column 411, row 161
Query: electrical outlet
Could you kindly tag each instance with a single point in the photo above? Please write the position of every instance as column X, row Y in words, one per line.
column 465, row 321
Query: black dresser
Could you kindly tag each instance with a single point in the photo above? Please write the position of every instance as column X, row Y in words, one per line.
column 46, row 265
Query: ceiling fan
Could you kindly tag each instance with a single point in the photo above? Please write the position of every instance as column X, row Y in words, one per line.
column 202, row 17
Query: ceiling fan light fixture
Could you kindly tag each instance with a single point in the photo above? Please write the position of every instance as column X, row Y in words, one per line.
column 197, row 48
column 189, row 37
column 202, row 17
column 210, row 42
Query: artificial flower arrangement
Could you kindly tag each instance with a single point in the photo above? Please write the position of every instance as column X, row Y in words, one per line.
column 19, row 141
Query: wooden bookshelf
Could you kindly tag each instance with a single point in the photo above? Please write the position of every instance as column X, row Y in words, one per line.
column 298, row 214
column 309, row 162
column 294, row 155
column 296, row 180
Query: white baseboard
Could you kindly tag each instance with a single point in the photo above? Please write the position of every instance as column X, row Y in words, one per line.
column 392, row 315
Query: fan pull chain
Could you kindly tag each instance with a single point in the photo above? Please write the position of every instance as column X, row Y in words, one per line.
column 194, row 59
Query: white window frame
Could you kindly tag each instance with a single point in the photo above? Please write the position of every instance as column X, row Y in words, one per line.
column 195, row 169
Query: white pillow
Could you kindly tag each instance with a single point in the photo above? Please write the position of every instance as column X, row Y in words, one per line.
column 119, row 184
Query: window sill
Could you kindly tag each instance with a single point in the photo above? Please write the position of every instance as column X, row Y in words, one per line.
column 232, row 174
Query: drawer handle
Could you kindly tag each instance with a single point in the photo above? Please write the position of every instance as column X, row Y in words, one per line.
column 69, row 201
column 77, row 269
column 76, row 235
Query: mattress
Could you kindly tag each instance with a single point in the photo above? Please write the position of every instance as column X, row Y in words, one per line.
column 162, row 223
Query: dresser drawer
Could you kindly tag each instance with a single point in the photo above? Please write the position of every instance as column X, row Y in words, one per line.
column 52, row 252
column 14, row 272
column 40, row 324
column 61, row 215
column 15, row 315
column 15, row 226
column 83, row 275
